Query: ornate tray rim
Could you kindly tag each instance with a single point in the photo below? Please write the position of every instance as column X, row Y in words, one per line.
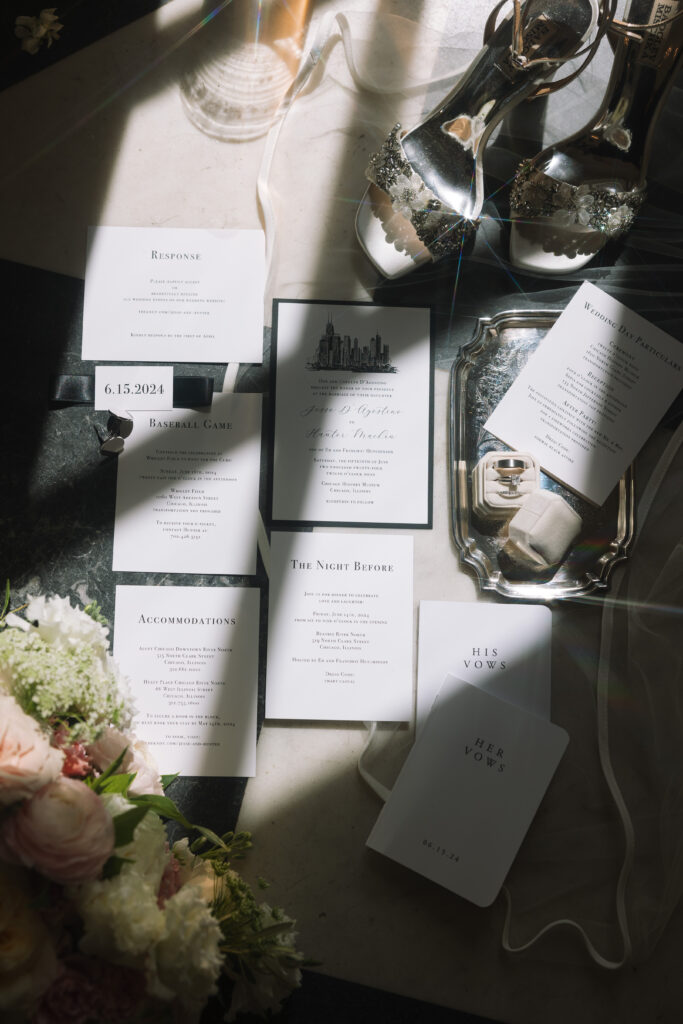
column 489, row 577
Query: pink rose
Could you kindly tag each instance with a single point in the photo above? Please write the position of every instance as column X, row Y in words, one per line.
column 27, row 761
column 65, row 832
column 137, row 758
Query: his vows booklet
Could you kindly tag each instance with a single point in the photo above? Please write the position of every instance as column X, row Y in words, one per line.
column 353, row 414
column 185, row 295
column 503, row 648
column 340, row 627
column 191, row 656
column 591, row 394
column 187, row 490
column 468, row 791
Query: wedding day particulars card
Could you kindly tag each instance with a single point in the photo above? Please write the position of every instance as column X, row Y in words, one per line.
column 353, row 414
column 468, row 791
column 187, row 490
column 340, row 627
column 591, row 393
column 502, row 648
column 174, row 295
column 191, row 656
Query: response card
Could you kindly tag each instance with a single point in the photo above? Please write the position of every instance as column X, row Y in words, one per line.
column 340, row 627
column 468, row 791
column 182, row 295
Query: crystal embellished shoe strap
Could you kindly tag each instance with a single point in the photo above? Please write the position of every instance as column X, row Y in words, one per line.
column 441, row 229
column 535, row 195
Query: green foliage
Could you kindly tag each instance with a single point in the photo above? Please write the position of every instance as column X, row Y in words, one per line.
column 94, row 610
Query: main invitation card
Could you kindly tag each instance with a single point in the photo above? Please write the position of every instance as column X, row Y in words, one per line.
column 468, row 791
column 189, row 295
column 340, row 627
column 591, row 393
column 502, row 648
column 187, row 490
column 191, row 656
column 353, row 414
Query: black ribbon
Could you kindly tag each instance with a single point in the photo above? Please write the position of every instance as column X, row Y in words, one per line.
column 79, row 389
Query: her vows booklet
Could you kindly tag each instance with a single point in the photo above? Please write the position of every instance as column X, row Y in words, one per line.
column 468, row 791
column 353, row 414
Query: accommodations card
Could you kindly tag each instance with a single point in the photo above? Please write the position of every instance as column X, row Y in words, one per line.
column 468, row 791
column 187, row 490
column 192, row 295
column 340, row 627
column 503, row 648
column 191, row 656
column 591, row 394
column 353, row 414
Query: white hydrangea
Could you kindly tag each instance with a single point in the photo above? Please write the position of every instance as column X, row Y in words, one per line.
column 60, row 624
column 122, row 921
column 188, row 957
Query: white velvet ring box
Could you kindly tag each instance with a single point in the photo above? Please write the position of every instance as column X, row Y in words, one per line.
column 542, row 530
column 497, row 493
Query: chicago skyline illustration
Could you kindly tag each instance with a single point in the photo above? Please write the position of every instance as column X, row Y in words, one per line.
column 337, row 352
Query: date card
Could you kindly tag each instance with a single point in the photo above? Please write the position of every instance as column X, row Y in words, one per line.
column 468, row 791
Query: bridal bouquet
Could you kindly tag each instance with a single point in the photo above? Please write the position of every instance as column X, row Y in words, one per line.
column 101, row 920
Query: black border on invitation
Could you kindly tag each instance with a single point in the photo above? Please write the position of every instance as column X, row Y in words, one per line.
column 293, row 524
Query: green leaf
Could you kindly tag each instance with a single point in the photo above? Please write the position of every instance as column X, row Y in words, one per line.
column 161, row 805
column 94, row 610
column 6, row 602
column 166, row 780
column 98, row 784
column 117, row 783
column 126, row 823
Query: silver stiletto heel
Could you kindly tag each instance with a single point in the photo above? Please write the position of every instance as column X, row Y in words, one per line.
column 427, row 189
column 574, row 197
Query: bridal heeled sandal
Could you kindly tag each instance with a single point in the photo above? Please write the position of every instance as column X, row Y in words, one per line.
column 574, row 197
column 427, row 187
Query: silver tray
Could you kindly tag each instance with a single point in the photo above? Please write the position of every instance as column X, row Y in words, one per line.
column 484, row 370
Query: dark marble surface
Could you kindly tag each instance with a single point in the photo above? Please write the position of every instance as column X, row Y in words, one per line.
column 58, row 491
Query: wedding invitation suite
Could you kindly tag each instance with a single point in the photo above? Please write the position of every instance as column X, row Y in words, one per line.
column 187, row 490
column 191, row 656
column 502, row 648
column 353, row 414
column 468, row 791
column 340, row 627
column 591, row 393
column 174, row 295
